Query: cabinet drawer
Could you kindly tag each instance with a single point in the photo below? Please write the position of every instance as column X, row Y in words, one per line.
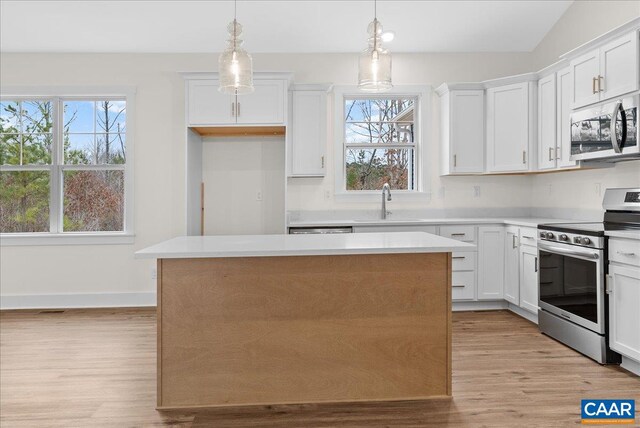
column 460, row 233
column 528, row 236
column 625, row 251
column 463, row 285
column 463, row 261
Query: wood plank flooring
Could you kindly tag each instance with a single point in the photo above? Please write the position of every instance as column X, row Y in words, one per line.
column 96, row 368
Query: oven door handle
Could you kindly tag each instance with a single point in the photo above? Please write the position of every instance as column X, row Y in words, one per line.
column 564, row 251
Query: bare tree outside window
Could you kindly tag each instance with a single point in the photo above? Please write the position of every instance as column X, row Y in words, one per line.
column 91, row 171
column 379, row 143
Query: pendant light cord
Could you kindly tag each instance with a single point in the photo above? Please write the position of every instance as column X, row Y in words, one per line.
column 235, row 23
column 375, row 26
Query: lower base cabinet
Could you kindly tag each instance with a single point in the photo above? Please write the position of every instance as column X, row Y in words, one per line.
column 490, row 262
column 529, row 278
column 624, row 316
column 512, row 266
column 521, row 266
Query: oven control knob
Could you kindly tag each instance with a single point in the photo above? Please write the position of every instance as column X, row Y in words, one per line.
column 577, row 240
column 586, row 241
column 550, row 235
column 564, row 237
column 543, row 235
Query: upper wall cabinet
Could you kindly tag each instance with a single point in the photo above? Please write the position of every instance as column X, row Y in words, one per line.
column 547, row 122
column 563, row 117
column 208, row 107
column 511, row 127
column 462, row 113
column 606, row 72
column 309, row 130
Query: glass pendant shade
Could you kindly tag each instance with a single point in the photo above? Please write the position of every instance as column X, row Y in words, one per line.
column 374, row 73
column 235, row 66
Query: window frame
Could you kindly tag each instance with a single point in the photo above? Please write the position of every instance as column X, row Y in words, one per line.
column 57, row 168
column 422, row 105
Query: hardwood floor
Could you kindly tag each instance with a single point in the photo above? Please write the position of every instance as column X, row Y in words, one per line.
column 96, row 368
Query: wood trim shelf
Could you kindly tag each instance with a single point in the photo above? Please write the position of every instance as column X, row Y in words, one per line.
column 239, row 131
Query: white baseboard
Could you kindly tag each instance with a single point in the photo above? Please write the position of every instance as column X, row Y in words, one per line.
column 523, row 313
column 491, row 305
column 630, row 365
column 67, row 301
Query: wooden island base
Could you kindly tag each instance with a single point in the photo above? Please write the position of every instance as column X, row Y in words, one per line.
column 306, row 329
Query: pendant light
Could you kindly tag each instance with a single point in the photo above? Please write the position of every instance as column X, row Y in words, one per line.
column 235, row 66
column 375, row 62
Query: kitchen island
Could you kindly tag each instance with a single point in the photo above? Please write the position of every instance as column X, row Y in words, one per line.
column 276, row 319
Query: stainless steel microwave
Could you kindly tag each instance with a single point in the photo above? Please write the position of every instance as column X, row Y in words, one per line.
column 606, row 131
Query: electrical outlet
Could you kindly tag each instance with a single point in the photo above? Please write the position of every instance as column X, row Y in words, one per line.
column 154, row 273
column 327, row 194
column 476, row 191
column 259, row 196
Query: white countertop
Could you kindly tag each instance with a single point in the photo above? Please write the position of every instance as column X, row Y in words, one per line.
column 302, row 245
column 516, row 221
column 629, row 234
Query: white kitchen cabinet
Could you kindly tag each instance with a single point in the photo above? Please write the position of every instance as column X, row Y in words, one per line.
column 490, row 262
column 529, row 278
column 512, row 265
column 265, row 106
column 563, row 114
column 624, row 316
column 463, row 285
column 462, row 131
column 466, row 233
column 309, row 133
column 623, row 289
column 547, row 104
column 585, row 70
column 606, row 72
column 510, row 127
column 206, row 106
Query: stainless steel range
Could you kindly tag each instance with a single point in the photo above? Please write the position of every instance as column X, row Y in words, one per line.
column 573, row 303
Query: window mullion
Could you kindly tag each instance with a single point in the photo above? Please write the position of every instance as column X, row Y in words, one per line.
column 55, row 207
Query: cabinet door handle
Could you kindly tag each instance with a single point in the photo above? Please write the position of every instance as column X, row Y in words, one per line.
column 557, row 151
column 233, row 109
column 458, row 257
column 593, row 85
column 524, row 157
column 458, row 234
column 322, row 161
column 600, row 79
column 626, row 253
column 459, row 286
column 608, row 287
column 535, row 264
column 238, row 108
column 528, row 237
column 514, row 242
column 550, row 154
column 455, row 161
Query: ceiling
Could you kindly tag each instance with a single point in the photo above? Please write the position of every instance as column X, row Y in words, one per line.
column 273, row 26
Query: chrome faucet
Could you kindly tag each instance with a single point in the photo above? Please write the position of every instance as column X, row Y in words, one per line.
column 385, row 188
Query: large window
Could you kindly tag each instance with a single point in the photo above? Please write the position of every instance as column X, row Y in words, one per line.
column 63, row 165
column 381, row 138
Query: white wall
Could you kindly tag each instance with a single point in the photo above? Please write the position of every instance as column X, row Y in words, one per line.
column 236, row 172
column 95, row 273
